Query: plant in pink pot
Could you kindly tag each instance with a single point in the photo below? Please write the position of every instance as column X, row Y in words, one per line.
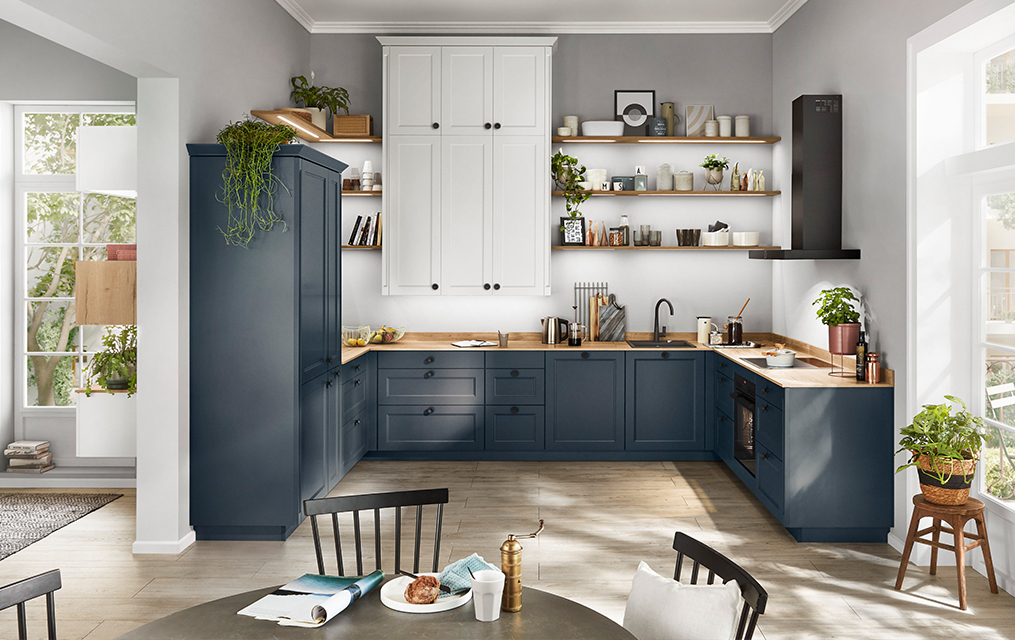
column 840, row 310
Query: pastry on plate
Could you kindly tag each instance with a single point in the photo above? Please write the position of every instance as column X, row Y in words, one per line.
column 423, row 590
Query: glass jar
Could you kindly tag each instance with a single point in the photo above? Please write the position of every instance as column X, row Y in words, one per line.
column 734, row 330
column 616, row 237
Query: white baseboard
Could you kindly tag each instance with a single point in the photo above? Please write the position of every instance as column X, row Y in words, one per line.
column 164, row 547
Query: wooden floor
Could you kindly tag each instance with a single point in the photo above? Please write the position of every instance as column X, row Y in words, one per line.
column 601, row 519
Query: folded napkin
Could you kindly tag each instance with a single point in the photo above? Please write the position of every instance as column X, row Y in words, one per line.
column 456, row 575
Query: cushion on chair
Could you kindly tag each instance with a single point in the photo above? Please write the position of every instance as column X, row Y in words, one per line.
column 659, row 608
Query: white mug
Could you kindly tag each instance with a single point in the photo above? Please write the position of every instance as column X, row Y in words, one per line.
column 605, row 186
column 487, row 589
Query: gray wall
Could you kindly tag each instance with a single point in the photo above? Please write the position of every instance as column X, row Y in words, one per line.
column 732, row 72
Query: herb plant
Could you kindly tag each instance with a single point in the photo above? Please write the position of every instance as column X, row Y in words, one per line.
column 567, row 173
column 712, row 162
column 116, row 361
column 939, row 435
column 836, row 306
column 248, row 183
column 305, row 94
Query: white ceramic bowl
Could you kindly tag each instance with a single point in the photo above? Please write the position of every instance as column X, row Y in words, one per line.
column 715, row 238
column 603, row 128
column 585, row 186
column 783, row 358
column 746, row 238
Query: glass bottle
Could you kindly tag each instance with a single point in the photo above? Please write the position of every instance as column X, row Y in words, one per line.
column 625, row 231
column 861, row 358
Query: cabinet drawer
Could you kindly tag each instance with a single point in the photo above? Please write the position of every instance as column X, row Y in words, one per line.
column 724, row 393
column 515, row 428
column 514, row 359
column 354, row 440
column 430, row 428
column 515, row 386
column 771, row 477
column 430, row 360
column 354, row 394
column 430, row 386
column 355, row 367
column 768, row 426
column 769, row 391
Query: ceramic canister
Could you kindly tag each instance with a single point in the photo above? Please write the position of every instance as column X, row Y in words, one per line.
column 725, row 126
column 571, row 122
column 711, row 128
column 743, row 126
column 683, row 181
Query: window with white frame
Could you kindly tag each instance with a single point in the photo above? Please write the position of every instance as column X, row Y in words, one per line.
column 57, row 226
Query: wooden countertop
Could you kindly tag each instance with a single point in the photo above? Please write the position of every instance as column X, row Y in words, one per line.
column 802, row 378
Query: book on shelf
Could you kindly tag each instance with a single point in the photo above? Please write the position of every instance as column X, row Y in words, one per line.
column 355, row 230
column 375, row 236
column 42, row 469
column 40, row 461
column 33, row 455
column 365, row 233
column 311, row 600
column 28, row 445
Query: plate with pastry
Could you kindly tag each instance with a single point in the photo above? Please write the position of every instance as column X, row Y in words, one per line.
column 410, row 594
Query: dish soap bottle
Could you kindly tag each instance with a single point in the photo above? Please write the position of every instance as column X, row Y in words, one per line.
column 625, row 231
column 861, row 358
column 511, row 565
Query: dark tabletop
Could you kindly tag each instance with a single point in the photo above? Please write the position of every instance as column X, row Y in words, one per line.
column 543, row 616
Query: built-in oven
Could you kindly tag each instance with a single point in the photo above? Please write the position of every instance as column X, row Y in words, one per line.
column 743, row 422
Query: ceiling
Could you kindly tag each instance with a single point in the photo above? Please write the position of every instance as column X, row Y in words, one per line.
column 540, row 16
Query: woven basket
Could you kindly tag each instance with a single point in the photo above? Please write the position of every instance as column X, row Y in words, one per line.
column 956, row 490
column 353, row 125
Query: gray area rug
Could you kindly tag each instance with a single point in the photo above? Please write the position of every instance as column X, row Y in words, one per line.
column 29, row 517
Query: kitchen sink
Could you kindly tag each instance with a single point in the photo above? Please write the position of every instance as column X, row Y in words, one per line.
column 661, row 344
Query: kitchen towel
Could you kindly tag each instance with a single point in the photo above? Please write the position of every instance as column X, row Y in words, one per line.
column 456, row 575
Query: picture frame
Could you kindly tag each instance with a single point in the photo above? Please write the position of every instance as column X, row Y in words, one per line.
column 695, row 117
column 634, row 107
column 572, row 232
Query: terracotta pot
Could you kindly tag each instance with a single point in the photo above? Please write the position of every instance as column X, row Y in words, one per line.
column 953, row 492
column 842, row 338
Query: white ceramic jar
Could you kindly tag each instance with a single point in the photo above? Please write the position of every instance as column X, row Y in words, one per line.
column 711, row 128
column 743, row 126
column 683, row 181
column 725, row 126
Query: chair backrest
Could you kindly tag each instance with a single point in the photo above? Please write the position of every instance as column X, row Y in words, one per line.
column 18, row 593
column 1001, row 400
column 375, row 502
column 755, row 596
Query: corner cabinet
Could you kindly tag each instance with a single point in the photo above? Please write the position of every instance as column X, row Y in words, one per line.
column 466, row 160
column 265, row 328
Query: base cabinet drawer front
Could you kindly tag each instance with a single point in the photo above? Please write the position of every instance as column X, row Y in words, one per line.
column 769, row 427
column 515, row 386
column 771, row 477
column 356, row 367
column 514, row 359
column 516, row 428
column 724, row 436
column 430, row 360
column 770, row 392
column 354, row 440
column 430, row 386
column 430, row 428
column 666, row 401
column 724, row 393
column 355, row 393
column 585, row 401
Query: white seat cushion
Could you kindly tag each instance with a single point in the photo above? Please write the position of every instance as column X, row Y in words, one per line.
column 659, row 608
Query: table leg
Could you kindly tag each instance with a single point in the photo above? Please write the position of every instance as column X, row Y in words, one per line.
column 933, row 550
column 960, row 559
column 913, row 526
column 981, row 528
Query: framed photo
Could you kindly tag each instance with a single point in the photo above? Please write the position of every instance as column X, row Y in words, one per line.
column 572, row 232
column 634, row 107
column 696, row 117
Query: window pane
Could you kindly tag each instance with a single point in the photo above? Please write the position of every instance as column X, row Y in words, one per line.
column 998, row 464
column 50, row 143
column 108, row 219
column 1000, row 367
column 999, row 102
column 108, row 120
column 50, row 271
column 52, row 217
column 51, row 381
column 51, row 326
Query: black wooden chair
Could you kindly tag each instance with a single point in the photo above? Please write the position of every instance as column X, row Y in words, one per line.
column 375, row 502
column 20, row 592
column 755, row 596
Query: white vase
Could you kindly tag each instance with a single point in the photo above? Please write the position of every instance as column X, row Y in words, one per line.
column 318, row 117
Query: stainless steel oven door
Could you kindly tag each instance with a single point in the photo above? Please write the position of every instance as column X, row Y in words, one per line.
column 743, row 431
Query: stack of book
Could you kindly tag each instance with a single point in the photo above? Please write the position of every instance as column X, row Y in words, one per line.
column 29, row 456
column 367, row 231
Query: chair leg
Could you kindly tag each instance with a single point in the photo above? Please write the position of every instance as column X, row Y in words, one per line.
column 933, row 550
column 960, row 559
column 981, row 528
column 910, row 537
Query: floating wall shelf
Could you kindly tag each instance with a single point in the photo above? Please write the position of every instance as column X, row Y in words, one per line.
column 649, row 248
column 735, row 194
column 666, row 140
column 377, row 246
column 307, row 131
column 361, row 193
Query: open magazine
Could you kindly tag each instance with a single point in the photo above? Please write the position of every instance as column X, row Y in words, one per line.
column 311, row 600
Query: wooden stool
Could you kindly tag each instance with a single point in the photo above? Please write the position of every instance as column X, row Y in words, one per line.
column 956, row 516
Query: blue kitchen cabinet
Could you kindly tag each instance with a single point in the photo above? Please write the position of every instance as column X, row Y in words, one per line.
column 585, row 401
column 265, row 321
column 665, row 401
column 515, row 428
column 358, row 433
column 431, row 386
column 430, row 428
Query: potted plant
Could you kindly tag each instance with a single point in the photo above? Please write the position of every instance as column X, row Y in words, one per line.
column 567, row 173
column 944, row 448
column 714, row 168
column 115, row 367
column 840, row 311
column 316, row 99
column 248, row 183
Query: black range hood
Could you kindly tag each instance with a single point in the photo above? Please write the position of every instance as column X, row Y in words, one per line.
column 817, row 183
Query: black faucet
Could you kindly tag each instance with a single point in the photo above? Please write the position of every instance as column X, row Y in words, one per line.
column 655, row 329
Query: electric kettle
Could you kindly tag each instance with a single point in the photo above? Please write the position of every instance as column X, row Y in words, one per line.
column 554, row 330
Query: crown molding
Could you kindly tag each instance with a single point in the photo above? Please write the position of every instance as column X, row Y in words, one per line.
column 432, row 28
column 784, row 13
column 293, row 8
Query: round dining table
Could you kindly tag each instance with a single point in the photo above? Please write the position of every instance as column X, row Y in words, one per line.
column 543, row 616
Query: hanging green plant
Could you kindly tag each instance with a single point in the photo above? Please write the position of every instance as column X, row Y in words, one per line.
column 115, row 367
column 567, row 172
column 248, row 183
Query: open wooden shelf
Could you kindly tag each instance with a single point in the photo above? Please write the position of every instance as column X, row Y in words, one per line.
column 362, row 193
column 307, row 131
column 685, row 194
column 377, row 246
column 649, row 248
column 667, row 139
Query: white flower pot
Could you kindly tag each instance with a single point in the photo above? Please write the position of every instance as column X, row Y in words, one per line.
column 318, row 117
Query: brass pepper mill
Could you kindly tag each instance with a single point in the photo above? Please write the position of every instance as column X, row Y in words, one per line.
column 511, row 565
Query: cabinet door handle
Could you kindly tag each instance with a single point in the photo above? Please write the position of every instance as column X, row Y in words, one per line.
column 428, row 374
column 764, row 389
column 514, row 374
column 666, row 354
column 428, row 360
column 487, row 125
column 486, row 286
column 356, row 421
column 356, row 384
column 496, row 287
column 514, row 409
column 585, row 355
column 496, row 125
column 428, row 411
column 436, row 125
column 764, row 456
column 722, row 365
column 435, row 286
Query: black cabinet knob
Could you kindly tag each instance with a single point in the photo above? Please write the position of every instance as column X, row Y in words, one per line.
column 764, row 456
column 666, row 354
column 356, row 421
column 356, row 368
column 496, row 287
column 487, row 286
column 435, row 286
column 428, row 411
column 436, row 126
column 764, row 389
column 514, row 374
column 338, row 373
column 764, row 407
column 428, row 374
column 514, row 409
column 722, row 379
column 428, row 360
column 487, row 125
column 328, row 360
column 327, row 383
column 356, row 384
column 585, row 355
column 496, row 126
column 722, row 365
column 721, row 418
column 733, row 395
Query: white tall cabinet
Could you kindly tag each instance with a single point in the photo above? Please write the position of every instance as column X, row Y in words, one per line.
column 466, row 160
